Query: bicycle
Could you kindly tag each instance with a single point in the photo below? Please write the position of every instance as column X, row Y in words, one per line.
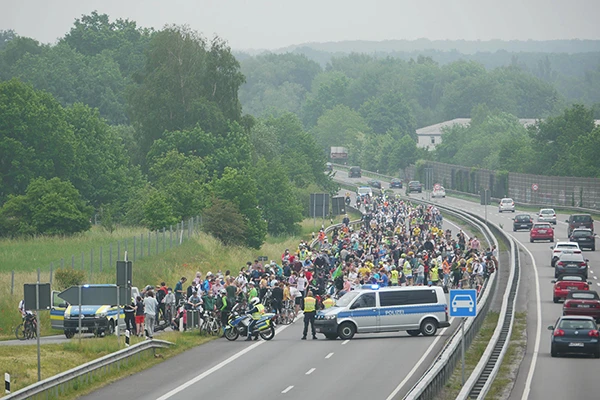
column 210, row 323
column 28, row 329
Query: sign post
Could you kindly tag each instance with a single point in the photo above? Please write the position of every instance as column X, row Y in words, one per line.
column 37, row 294
column 463, row 303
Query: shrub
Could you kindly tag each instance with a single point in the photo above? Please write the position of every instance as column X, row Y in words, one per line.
column 65, row 278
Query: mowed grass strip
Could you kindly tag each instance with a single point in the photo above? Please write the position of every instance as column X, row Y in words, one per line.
column 21, row 361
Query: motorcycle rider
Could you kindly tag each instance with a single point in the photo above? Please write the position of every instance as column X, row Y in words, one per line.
column 256, row 311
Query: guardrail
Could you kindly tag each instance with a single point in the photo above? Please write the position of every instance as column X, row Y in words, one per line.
column 58, row 385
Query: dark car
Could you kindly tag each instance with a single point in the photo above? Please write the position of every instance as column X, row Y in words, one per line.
column 354, row 172
column 586, row 238
column 572, row 264
column 374, row 183
column 414, row 186
column 579, row 221
column 522, row 221
column 582, row 302
column 566, row 283
column 575, row 334
column 396, row 183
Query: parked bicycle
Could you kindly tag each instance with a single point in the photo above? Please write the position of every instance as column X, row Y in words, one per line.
column 28, row 329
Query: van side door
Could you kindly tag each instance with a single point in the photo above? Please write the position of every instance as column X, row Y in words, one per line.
column 391, row 311
column 57, row 311
column 365, row 313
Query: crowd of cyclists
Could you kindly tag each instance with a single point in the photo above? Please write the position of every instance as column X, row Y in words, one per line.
column 396, row 243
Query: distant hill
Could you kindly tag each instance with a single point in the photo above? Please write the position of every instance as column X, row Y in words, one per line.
column 461, row 46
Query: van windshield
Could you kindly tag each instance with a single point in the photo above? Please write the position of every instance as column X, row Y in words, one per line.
column 346, row 299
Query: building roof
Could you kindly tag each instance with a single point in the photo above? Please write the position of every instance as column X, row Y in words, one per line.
column 436, row 129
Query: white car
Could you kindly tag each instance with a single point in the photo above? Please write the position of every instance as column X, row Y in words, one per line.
column 563, row 247
column 547, row 215
column 439, row 192
column 364, row 191
column 462, row 301
column 506, row 204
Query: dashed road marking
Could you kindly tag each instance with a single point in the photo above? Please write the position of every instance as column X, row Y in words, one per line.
column 345, row 341
column 310, row 371
column 287, row 389
column 329, row 355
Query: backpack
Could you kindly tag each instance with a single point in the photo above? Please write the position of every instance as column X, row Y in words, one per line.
column 160, row 295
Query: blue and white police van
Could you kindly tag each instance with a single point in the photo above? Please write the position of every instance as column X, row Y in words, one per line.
column 414, row 309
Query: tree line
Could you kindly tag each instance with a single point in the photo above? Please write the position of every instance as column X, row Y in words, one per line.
column 144, row 127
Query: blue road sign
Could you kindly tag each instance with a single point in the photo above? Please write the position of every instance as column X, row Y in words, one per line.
column 463, row 303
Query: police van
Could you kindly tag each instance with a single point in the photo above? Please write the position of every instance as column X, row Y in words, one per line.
column 99, row 319
column 414, row 309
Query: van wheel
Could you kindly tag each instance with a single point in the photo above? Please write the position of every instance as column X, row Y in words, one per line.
column 413, row 332
column 111, row 327
column 429, row 327
column 346, row 331
column 69, row 334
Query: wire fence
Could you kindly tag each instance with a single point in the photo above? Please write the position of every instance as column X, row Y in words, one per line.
column 104, row 258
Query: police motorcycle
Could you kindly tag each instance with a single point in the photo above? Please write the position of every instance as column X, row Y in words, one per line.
column 238, row 323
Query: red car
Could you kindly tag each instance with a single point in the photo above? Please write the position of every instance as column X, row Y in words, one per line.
column 541, row 231
column 566, row 283
column 582, row 302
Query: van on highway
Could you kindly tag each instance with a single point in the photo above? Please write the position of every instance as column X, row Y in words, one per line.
column 415, row 309
column 354, row 172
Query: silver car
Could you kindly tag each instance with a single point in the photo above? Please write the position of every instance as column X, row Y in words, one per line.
column 547, row 215
column 506, row 204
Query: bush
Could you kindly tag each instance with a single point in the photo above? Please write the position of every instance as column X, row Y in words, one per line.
column 65, row 278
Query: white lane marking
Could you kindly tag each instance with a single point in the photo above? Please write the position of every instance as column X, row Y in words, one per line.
column 287, row 389
column 329, row 355
column 219, row 366
column 418, row 364
column 597, row 283
column 310, row 371
column 538, row 330
column 345, row 341
column 595, row 277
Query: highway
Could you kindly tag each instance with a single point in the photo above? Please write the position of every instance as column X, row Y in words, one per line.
column 368, row 366
column 574, row 377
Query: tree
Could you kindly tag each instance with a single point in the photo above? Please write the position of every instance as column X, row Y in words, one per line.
column 35, row 138
column 185, row 82
column 52, row 207
column 329, row 89
column 240, row 188
column 158, row 212
column 224, row 221
column 340, row 126
column 389, row 112
column 276, row 198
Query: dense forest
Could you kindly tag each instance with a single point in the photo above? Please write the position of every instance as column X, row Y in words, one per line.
column 144, row 126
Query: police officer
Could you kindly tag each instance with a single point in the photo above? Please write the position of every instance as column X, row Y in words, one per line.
column 328, row 302
column 310, row 309
column 256, row 311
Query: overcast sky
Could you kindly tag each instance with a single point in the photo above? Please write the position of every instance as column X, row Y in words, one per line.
column 271, row 24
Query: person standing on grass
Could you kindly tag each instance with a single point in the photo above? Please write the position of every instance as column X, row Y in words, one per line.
column 150, row 308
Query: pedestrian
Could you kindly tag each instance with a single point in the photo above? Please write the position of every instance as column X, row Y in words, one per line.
column 129, row 311
column 150, row 310
column 139, row 315
column 179, row 289
column 310, row 304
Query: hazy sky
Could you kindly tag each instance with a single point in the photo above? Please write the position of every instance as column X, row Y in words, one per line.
column 270, row 24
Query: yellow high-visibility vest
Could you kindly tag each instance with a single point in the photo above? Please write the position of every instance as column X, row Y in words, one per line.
column 310, row 304
column 328, row 303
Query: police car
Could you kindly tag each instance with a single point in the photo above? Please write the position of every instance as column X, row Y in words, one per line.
column 415, row 309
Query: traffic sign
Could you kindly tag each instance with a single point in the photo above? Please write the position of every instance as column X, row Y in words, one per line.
column 96, row 295
column 437, row 186
column 534, row 187
column 463, row 303
column 30, row 293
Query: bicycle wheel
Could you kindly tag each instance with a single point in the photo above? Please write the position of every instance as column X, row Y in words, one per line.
column 30, row 331
column 20, row 332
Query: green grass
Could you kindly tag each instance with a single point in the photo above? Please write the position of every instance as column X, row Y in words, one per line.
column 512, row 359
column 472, row 356
column 39, row 252
column 21, row 361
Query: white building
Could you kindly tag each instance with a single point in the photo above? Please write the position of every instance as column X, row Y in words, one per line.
column 431, row 136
